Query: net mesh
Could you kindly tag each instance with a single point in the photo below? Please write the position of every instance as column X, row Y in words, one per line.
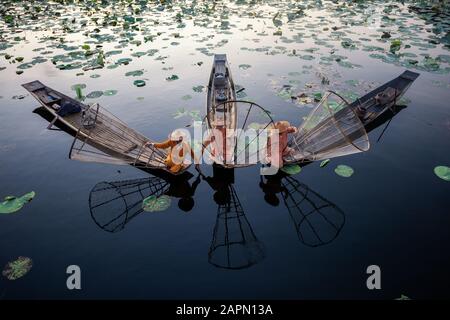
column 234, row 244
column 331, row 130
column 104, row 138
column 114, row 204
column 236, row 131
column 316, row 220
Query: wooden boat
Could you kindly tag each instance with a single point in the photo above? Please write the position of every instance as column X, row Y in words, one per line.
column 221, row 89
column 99, row 135
column 372, row 105
column 336, row 128
column 221, row 110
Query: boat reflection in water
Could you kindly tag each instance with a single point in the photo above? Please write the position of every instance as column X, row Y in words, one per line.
column 234, row 244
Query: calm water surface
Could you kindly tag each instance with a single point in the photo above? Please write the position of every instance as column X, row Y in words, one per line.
column 396, row 210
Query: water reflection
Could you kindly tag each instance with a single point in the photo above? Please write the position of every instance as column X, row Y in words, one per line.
column 234, row 244
column 317, row 220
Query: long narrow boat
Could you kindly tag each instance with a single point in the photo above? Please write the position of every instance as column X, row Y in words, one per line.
column 336, row 127
column 99, row 135
column 372, row 105
column 221, row 89
column 221, row 111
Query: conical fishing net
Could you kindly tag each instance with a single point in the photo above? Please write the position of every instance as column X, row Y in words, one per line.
column 234, row 244
column 114, row 204
column 316, row 220
column 237, row 131
column 331, row 130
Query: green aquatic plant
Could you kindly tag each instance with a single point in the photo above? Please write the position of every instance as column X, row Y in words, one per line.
column 13, row 204
column 244, row 66
column 139, row 83
column 154, row 203
column 198, row 89
column 291, row 169
column 344, row 171
column 18, row 268
column 442, row 172
column 134, row 73
column 172, row 78
column 324, row 163
column 94, row 94
column 395, row 45
column 110, row 92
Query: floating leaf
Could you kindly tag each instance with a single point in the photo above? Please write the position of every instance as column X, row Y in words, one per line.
column 324, row 163
column 291, row 169
column 317, row 96
column 124, row 61
column 110, row 92
column 244, row 66
column 18, row 268
column 395, row 45
column 179, row 113
column 154, row 203
column 94, row 94
column 442, row 172
column 172, row 78
column 344, row 171
column 403, row 297
column 139, row 83
column 198, row 89
column 13, row 204
column 135, row 73
column 186, row 97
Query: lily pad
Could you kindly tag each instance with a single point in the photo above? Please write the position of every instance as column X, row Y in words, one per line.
column 94, row 94
column 395, row 45
column 442, row 172
column 154, row 203
column 135, row 73
column 110, row 92
column 18, row 268
column 344, row 171
column 198, row 89
column 172, row 78
column 244, row 66
column 291, row 169
column 139, row 83
column 13, row 204
column 324, row 163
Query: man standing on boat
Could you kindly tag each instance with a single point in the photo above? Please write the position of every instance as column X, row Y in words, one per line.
column 179, row 148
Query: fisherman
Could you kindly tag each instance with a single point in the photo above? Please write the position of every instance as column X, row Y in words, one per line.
column 284, row 128
column 220, row 139
column 177, row 142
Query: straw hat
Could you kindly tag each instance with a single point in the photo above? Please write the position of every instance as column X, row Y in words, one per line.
column 176, row 134
column 282, row 126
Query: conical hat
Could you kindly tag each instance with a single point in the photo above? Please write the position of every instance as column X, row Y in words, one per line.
column 176, row 134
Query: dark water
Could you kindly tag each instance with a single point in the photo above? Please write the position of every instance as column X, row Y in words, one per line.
column 396, row 209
